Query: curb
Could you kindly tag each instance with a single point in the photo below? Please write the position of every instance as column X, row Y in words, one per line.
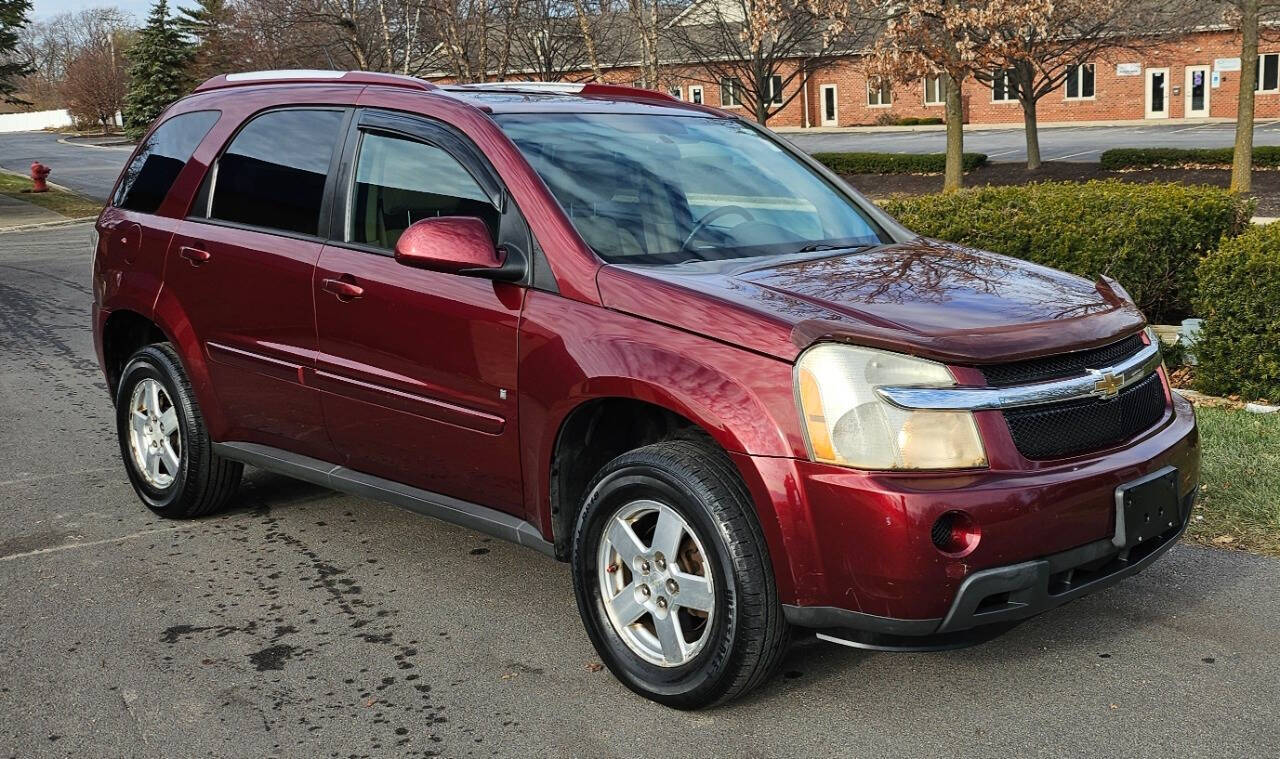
column 1010, row 125
column 47, row 225
column 65, row 141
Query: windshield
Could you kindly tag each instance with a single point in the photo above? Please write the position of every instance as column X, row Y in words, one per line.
column 644, row 189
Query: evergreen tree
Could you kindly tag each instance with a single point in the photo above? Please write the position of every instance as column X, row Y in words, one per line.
column 211, row 25
column 13, row 16
column 157, row 70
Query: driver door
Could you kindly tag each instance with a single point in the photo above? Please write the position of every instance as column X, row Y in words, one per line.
column 418, row 368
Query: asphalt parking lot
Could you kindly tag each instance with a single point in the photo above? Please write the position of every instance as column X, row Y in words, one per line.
column 307, row 623
column 1060, row 143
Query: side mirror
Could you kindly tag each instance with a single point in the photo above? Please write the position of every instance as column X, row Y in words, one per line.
column 451, row 244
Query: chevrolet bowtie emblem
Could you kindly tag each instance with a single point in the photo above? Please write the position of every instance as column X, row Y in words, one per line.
column 1108, row 384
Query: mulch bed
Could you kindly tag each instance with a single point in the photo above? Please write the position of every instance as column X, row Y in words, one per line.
column 1266, row 184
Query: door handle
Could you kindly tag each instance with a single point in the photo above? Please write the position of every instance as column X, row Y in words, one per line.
column 346, row 291
column 194, row 255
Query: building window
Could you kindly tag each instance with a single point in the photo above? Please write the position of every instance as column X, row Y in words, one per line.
column 676, row 92
column 1080, row 81
column 1004, row 89
column 879, row 93
column 934, row 91
column 1268, row 73
column 695, row 94
column 774, row 93
column 729, row 96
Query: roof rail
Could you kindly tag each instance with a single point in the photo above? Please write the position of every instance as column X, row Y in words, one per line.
column 586, row 89
column 313, row 76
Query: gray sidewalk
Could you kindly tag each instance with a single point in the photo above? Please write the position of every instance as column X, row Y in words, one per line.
column 16, row 213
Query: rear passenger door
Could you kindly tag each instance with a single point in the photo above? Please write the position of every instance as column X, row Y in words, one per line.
column 419, row 368
column 241, row 265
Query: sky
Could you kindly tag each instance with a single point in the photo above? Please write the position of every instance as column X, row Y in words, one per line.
column 43, row 9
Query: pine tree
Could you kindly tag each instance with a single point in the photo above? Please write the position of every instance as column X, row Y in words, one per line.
column 211, row 25
column 157, row 70
column 13, row 16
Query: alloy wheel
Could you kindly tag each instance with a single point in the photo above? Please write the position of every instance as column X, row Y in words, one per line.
column 155, row 439
column 657, row 587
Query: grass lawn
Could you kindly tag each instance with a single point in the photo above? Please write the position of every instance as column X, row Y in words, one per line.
column 1240, row 481
column 66, row 203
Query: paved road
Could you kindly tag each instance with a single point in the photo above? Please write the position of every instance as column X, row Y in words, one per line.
column 88, row 170
column 306, row 623
column 1056, row 143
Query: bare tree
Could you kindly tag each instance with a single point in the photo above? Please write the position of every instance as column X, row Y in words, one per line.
column 1250, row 15
column 95, row 84
column 1043, row 52
column 957, row 38
column 753, row 48
column 51, row 45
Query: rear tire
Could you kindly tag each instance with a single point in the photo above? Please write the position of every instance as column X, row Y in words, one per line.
column 163, row 440
column 717, row 592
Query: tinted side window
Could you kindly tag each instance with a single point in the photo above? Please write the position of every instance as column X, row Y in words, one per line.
column 400, row 181
column 273, row 172
column 153, row 170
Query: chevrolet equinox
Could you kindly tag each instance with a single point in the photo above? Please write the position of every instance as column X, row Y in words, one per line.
column 639, row 335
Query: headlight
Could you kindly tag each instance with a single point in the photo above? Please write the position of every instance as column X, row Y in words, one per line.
column 847, row 423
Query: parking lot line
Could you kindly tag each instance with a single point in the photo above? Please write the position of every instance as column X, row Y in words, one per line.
column 91, row 543
column 1074, row 155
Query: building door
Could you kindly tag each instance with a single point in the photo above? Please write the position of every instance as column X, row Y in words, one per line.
column 1197, row 92
column 830, row 106
column 1157, row 93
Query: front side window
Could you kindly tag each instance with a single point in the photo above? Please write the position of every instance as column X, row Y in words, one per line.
column 1268, row 73
column 160, row 158
column 399, row 182
column 878, row 92
column 273, row 173
column 729, row 92
column 648, row 189
column 1080, row 81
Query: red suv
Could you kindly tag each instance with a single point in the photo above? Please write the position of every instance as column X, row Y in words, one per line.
column 639, row 335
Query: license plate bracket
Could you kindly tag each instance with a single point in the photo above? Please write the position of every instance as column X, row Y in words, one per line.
column 1147, row 508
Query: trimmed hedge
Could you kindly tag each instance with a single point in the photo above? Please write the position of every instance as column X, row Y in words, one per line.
column 1238, row 349
column 894, row 163
column 919, row 121
column 1150, row 237
column 1176, row 158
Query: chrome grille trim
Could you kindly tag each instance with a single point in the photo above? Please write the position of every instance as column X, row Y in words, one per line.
column 1100, row 383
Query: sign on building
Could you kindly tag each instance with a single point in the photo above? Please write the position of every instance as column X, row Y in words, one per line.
column 1226, row 64
column 1128, row 69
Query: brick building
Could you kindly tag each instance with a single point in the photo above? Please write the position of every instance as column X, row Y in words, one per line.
column 1192, row 75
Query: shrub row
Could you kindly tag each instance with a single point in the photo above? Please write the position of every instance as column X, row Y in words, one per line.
column 1150, row 237
column 1238, row 350
column 919, row 121
column 1173, row 158
column 893, row 163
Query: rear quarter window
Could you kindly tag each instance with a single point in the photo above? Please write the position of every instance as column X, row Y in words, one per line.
column 159, row 160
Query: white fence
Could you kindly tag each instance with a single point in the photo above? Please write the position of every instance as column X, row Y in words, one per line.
column 33, row 121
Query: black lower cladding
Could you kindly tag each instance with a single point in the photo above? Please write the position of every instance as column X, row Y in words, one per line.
column 991, row 601
column 1073, row 427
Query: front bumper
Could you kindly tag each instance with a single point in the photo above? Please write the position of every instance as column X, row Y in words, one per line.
column 997, row 598
column 852, row 550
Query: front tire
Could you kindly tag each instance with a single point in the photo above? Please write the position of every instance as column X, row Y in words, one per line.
column 673, row 579
column 163, row 440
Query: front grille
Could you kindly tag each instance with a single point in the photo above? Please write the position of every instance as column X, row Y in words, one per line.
column 1064, row 429
column 1062, row 365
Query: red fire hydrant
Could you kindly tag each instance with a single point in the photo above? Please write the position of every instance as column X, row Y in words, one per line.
column 39, row 173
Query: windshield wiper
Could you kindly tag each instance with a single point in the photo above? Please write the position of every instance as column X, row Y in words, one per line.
column 818, row 247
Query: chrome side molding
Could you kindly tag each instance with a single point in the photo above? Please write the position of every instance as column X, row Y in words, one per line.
column 1099, row 383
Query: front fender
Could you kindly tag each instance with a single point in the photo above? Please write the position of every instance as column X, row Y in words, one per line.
column 572, row 353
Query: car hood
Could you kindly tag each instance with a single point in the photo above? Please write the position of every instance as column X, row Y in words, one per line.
column 925, row 297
